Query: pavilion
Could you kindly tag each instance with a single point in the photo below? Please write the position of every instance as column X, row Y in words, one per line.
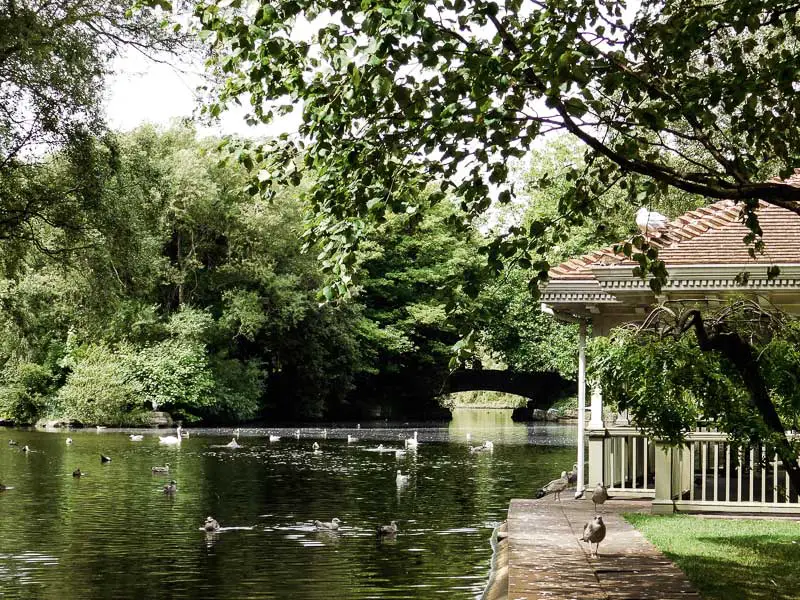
column 704, row 251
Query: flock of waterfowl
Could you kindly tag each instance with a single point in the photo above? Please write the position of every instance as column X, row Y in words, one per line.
column 212, row 525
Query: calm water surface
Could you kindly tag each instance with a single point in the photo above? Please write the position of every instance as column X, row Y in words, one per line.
column 114, row 534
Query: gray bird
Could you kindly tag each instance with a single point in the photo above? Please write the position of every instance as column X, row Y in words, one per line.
column 211, row 524
column 572, row 476
column 594, row 532
column 171, row 488
column 332, row 526
column 599, row 495
column 555, row 487
column 164, row 469
column 390, row 529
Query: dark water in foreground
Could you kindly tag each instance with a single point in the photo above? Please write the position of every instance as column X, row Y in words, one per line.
column 114, row 534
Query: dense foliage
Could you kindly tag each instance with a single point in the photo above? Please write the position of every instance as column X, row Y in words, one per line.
column 734, row 368
column 401, row 94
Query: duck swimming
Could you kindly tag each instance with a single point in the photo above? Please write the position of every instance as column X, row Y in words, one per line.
column 315, row 446
column 69, row 441
column 274, row 438
column 332, row 526
column 171, row 488
column 77, row 473
column 211, row 524
column 136, row 437
column 25, row 448
column 390, row 529
column 12, row 443
column 105, row 459
column 164, row 469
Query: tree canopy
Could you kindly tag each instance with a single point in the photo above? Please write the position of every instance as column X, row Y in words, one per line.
column 399, row 94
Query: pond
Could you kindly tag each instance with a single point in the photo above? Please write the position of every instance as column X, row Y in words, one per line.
column 113, row 533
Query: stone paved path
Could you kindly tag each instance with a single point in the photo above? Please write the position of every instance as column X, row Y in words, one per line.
column 546, row 560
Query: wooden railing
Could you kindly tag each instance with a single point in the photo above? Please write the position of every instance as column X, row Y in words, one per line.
column 628, row 463
column 708, row 474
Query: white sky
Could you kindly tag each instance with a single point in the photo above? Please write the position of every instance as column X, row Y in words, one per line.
column 145, row 91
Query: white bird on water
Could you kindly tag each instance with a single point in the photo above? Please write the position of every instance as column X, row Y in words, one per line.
column 333, row 525
column 233, row 444
column 401, row 479
column 172, row 440
column 412, row 442
column 69, row 441
column 274, row 438
column 136, row 437
column 650, row 221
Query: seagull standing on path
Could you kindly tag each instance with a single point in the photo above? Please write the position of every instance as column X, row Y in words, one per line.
column 594, row 532
column 599, row 495
column 555, row 487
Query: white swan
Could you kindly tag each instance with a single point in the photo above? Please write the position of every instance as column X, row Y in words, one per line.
column 315, row 446
column 401, row 479
column 412, row 442
column 69, row 441
column 351, row 439
column 173, row 440
column 233, row 444
column 136, row 438
column 274, row 438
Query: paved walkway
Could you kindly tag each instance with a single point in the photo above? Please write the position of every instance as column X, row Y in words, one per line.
column 546, row 560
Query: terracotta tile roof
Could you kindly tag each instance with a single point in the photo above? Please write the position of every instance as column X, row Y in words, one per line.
column 712, row 234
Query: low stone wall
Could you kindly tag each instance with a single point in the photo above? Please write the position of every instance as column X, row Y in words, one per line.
column 497, row 588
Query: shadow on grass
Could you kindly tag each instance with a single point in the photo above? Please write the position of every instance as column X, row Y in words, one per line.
column 758, row 567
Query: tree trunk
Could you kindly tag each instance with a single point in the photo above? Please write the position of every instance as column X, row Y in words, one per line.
column 740, row 354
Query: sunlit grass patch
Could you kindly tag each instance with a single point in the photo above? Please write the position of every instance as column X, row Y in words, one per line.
column 730, row 559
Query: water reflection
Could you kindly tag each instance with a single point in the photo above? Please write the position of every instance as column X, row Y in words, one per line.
column 114, row 533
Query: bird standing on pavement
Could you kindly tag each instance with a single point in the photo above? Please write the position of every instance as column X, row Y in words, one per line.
column 555, row 487
column 599, row 495
column 594, row 532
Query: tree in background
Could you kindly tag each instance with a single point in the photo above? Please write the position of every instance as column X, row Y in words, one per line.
column 53, row 60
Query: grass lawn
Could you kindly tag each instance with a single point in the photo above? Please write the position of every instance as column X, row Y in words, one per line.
column 730, row 559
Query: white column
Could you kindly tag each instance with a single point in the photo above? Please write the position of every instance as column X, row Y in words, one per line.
column 581, row 404
column 596, row 420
